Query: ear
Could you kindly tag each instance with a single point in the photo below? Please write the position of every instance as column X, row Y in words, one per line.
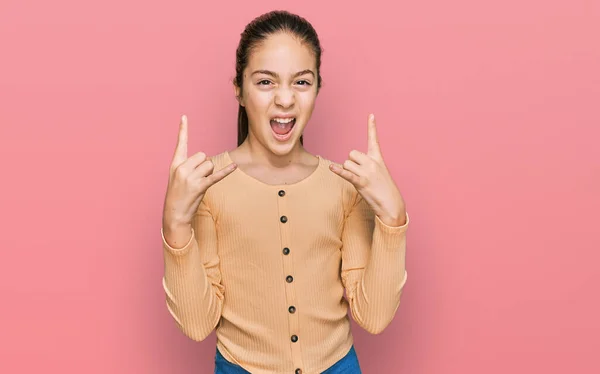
column 238, row 94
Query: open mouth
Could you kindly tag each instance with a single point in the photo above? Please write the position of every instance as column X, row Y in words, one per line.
column 282, row 127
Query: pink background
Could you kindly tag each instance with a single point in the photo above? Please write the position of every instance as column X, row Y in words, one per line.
column 489, row 118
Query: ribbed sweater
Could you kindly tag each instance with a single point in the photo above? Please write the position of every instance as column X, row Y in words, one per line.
column 274, row 268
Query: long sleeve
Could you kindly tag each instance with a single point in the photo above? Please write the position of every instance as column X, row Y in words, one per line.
column 373, row 266
column 192, row 279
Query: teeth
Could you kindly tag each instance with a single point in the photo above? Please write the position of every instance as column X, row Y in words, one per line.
column 283, row 120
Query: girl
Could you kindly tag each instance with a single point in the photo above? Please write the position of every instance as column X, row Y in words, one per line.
column 261, row 242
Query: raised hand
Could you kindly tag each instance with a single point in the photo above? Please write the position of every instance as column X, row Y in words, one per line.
column 189, row 178
column 371, row 178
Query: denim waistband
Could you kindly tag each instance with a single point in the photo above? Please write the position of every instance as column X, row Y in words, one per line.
column 346, row 365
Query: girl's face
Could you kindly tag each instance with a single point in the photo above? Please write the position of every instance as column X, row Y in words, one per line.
column 279, row 92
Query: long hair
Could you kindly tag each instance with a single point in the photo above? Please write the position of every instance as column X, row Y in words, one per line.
column 256, row 31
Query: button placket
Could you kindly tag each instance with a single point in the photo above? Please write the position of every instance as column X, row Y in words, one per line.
column 287, row 258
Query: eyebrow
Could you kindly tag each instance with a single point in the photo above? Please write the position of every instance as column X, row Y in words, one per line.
column 275, row 75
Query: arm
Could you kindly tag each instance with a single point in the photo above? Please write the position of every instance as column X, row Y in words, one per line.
column 192, row 279
column 373, row 266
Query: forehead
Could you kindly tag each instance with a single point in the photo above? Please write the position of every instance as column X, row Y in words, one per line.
column 282, row 53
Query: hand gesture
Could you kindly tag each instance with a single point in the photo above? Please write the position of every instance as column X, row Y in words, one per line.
column 371, row 178
column 189, row 178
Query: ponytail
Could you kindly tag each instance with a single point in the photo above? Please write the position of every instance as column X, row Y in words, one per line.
column 242, row 125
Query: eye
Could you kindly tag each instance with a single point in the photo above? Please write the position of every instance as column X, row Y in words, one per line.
column 306, row 83
column 264, row 82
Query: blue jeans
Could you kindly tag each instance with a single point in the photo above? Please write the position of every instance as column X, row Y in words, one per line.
column 346, row 365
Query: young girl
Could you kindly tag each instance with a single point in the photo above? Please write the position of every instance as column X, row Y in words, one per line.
column 261, row 242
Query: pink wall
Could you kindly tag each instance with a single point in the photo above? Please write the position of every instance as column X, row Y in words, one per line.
column 489, row 118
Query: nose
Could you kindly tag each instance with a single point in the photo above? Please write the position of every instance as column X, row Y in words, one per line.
column 284, row 97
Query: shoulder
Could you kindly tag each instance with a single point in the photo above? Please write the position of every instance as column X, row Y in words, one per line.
column 220, row 160
column 225, row 186
column 347, row 191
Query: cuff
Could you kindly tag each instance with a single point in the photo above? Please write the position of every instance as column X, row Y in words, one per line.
column 392, row 229
column 389, row 237
column 404, row 280
column 178, row 251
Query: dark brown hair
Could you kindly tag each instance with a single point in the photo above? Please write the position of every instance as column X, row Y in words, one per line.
column 258, row 30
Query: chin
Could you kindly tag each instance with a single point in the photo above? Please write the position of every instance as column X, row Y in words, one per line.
column 281, row 149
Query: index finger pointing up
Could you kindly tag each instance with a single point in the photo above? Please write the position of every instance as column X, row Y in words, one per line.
column 182, row 139
column 373, row 147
